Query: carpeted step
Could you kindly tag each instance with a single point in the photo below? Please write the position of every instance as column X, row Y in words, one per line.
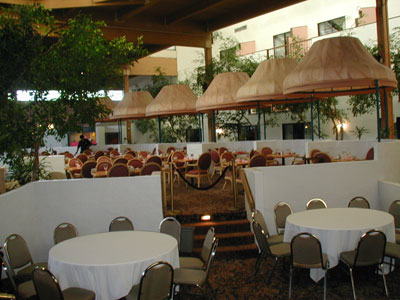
column 227, row 239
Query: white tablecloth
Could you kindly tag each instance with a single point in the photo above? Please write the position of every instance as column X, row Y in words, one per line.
column 338, row 229
column 110, row 263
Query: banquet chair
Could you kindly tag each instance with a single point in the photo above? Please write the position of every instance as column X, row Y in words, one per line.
column 75, row 162
column 118, row 170
column 131, row 152
column 265, row 151
column 114, row 153
column 370, row 154
column 321, row 157
column 135, row 163
column 257, row 216
column 48, row 288
column 313, row 152
column 121, row 224
column 281, row 211
column 154, row 159
column 196, row 277
column 88, row 152
column 64, row 231
column 258, row 160
column 103, row 166
column 178, row 165
column 57, row 175
column 253, row 152
column 277, row 251
column 216, row 162
column 392, row 250
column 82, row 157
column 306, row 253
column 370, row 251
column 98, row 154
column 226, row 158
column 143, row 154
column 316, row 203
column 120, row 160
column 24, row 290
column 128, row 157
column 170, row 150
column 359, row 202
column 155, row 284
column 19, row 257
column 200, row 169
column 67, row 157
column 149, row 168
column 172, row 227
column 200, row 263
column 86, row 170
column 394, row 210
column 103, row 158
column 222, row 150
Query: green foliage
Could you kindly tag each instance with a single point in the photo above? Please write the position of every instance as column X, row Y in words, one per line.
column 40, row 54
column 359, row 131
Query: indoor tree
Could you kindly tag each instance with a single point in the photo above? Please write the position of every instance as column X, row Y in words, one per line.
column 39, row 54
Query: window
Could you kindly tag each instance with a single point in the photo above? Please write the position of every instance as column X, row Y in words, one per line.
column 223, row 54
column 295, row 131
column 331, row 26
column 281, row 44
column 241, row 28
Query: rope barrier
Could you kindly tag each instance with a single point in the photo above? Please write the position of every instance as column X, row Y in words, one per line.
column 203, row 188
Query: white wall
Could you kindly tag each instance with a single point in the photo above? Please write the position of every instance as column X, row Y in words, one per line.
column 35, row 209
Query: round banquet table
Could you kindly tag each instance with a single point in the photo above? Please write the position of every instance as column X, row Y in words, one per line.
column 110, row 263
column 338, row 229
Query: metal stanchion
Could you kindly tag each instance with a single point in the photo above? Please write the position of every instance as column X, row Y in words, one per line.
column 171, row 187
column 234, row 185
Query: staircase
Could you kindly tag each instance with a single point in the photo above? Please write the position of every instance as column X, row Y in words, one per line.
column 233, row 232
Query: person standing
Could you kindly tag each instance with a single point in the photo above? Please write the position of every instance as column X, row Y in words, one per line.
column 83, row 144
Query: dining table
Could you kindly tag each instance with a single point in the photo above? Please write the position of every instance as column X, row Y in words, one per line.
column 282, row 156
column 338, row 229
column 110, row 263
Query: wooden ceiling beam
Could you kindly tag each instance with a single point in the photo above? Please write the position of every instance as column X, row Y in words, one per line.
column 191, row 11
column 62, row 4
column 126, row 15
column 158, row 37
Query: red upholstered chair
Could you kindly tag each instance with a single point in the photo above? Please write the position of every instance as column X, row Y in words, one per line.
column 200, row 169
column 121, row 160
column 103, row 158
column 88, row 152
column 226, row 158
column 114, row 153
column 149, row 168
column 131, row 152
column 67, row 157
column 179, row 165
column 321, row 157
column 313, row 152
column 370, row 154
column 103, row 166
column 154, row 159
column 83, row 157
column 98, row 154
column 118, row 170
column 258, row 160
column 143, row 154
column 253, row 152
column 86, row 171
column 128, row 156
column 216, row 161
column 135, row 163
column 170, row 150
column 222, row 150
column 265, row 151
column 75, row 163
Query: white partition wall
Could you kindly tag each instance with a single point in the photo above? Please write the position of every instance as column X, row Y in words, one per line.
column 336, row 183
column 358, row 149
column 35, row 209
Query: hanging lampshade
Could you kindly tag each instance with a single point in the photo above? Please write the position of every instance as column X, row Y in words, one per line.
column 175, row 99
column 132, row 106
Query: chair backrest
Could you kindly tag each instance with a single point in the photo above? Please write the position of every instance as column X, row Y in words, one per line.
column 46, row 285
column 88, row 152
column 121, row 224
column 120, row 160
column 143, row 154
column 313, row 152
column 75, row 162
column 103, row 166
column 204, row 161
column 253, row 152
column 227, row 157
column 149, row 168
column 98, row 154
column 222, row 150
column 154, row 159
column 170, row 149
column 83, row 157
column 258, row 160
column 215, row 156
column 103, row 158
column 213, row 251
column 128, row 157
column 316, row 203
column 131, row 152
column 207, row 245
column 265, row 151
column 17, row 251
column 57, row 175
column 261, row 237
column 320, row 158
column 156, row 282
column 370, row 154
column 394, row 210
column 114, row 153
column 258, row 217
column 178, row 155
column 281, row 211
column 171, row 226
column 370, row 249
column 87, row 167
column 68, row 155
column 64, row 231
column 359, row 202
column 118, row 170
column 135, row 163
column 306, row 252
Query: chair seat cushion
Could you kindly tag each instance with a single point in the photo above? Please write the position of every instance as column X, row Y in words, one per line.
column 74, row 293
column 189, row 276
column 26, row 273
column 275, row 239
column 314, row 266
column 349, row 256
column 26, row 289
column 133, row 293
column 197, row 172
column 280, row 250
column 190, row 263
column 392, row 250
